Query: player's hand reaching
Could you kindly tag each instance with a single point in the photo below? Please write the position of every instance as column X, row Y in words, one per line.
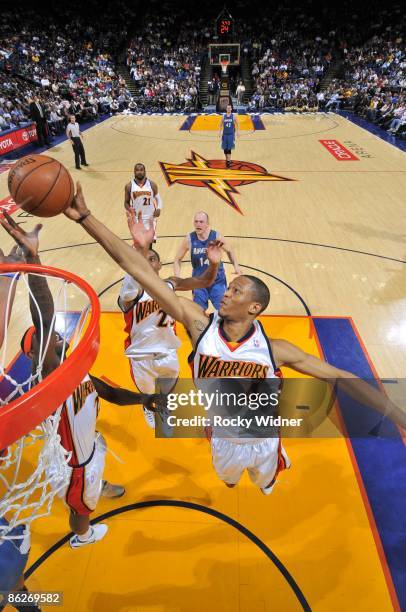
column 142, row 236
column 27, row 241
column 78, row 209
column 16, row 255
column 214, row 251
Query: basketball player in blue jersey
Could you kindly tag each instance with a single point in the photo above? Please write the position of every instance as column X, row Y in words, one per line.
column 234, row 340
column 197, row 242
column 228, row 132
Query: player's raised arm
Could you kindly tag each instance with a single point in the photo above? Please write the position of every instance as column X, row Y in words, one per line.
column 180, row 253
column 288, row 354
column 134, row 264
column 41, row 301
column 209, row 275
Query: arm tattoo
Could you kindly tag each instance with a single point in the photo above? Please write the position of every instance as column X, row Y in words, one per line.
column 199, row 325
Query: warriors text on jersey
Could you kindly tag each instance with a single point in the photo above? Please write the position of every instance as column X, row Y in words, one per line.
column 77, row 426
column 150, row 330
column 216, row 356
column 142, row 199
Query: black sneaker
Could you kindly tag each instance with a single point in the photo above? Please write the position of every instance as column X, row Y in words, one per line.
column 78, row 168
column 85, row 164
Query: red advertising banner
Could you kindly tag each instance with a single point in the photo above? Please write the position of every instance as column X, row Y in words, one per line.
column 338, row 150
column 8, row 205
column 18, row 138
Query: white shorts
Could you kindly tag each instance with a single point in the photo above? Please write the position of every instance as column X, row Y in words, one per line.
column 262, row 459
column 146, row 372
column 85, row 485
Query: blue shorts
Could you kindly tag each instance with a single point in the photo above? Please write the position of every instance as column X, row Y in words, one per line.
column 12, row 560
column 227, row 142
column 214, row 294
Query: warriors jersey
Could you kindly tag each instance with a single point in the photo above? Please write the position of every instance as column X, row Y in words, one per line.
column 142, row 199
column 77, row 426
column 150, row 331
column 215, row 357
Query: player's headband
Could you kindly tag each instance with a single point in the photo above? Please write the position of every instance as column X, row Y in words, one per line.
column 26, row 342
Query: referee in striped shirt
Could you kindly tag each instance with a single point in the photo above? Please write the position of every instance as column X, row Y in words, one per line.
column 75, row 136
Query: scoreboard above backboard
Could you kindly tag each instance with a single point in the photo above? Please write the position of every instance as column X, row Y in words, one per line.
column 224, row 26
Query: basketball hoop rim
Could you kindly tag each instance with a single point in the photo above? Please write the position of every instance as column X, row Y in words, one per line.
column 26, row 412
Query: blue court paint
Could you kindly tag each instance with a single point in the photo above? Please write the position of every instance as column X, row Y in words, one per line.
column 257, row 122
column 381, row 460
column 374, row 129
column 189, row 121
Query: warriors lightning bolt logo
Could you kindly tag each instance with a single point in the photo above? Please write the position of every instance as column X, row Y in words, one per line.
column 212, row 173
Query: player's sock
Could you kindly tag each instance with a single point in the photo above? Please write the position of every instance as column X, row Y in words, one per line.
column 85, row 536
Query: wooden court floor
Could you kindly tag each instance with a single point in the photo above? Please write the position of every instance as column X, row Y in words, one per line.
column 329, row 242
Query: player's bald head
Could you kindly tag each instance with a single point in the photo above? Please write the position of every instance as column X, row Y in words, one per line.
column 201, row 215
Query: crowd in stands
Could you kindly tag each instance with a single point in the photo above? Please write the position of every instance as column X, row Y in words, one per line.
column 165, row 60
column 67, row 64
column 288, row 68
column 71, row 63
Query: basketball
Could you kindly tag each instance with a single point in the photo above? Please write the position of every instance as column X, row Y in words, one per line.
column 41, row 185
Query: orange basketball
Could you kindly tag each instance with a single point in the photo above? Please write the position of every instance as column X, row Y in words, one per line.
column 41, row 185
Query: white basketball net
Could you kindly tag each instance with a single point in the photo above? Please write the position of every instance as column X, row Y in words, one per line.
column 28, row 497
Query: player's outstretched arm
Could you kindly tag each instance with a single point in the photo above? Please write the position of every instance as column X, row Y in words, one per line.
column 120, row 396
column 41, row 301
column 130, row 260
column 209, row 275
column 288, row 354
column 180, row 253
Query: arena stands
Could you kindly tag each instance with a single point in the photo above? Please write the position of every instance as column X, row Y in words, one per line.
column 298, row 62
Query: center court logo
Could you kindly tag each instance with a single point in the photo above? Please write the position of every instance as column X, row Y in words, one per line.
column 213, row 174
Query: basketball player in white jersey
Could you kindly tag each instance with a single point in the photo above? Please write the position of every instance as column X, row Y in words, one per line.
column 151, row 343
column 235, row 342
column 77, row 426
column 141, row 196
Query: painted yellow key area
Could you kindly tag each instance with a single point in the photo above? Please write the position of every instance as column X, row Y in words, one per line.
column 167, row 559
column 212, row 123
